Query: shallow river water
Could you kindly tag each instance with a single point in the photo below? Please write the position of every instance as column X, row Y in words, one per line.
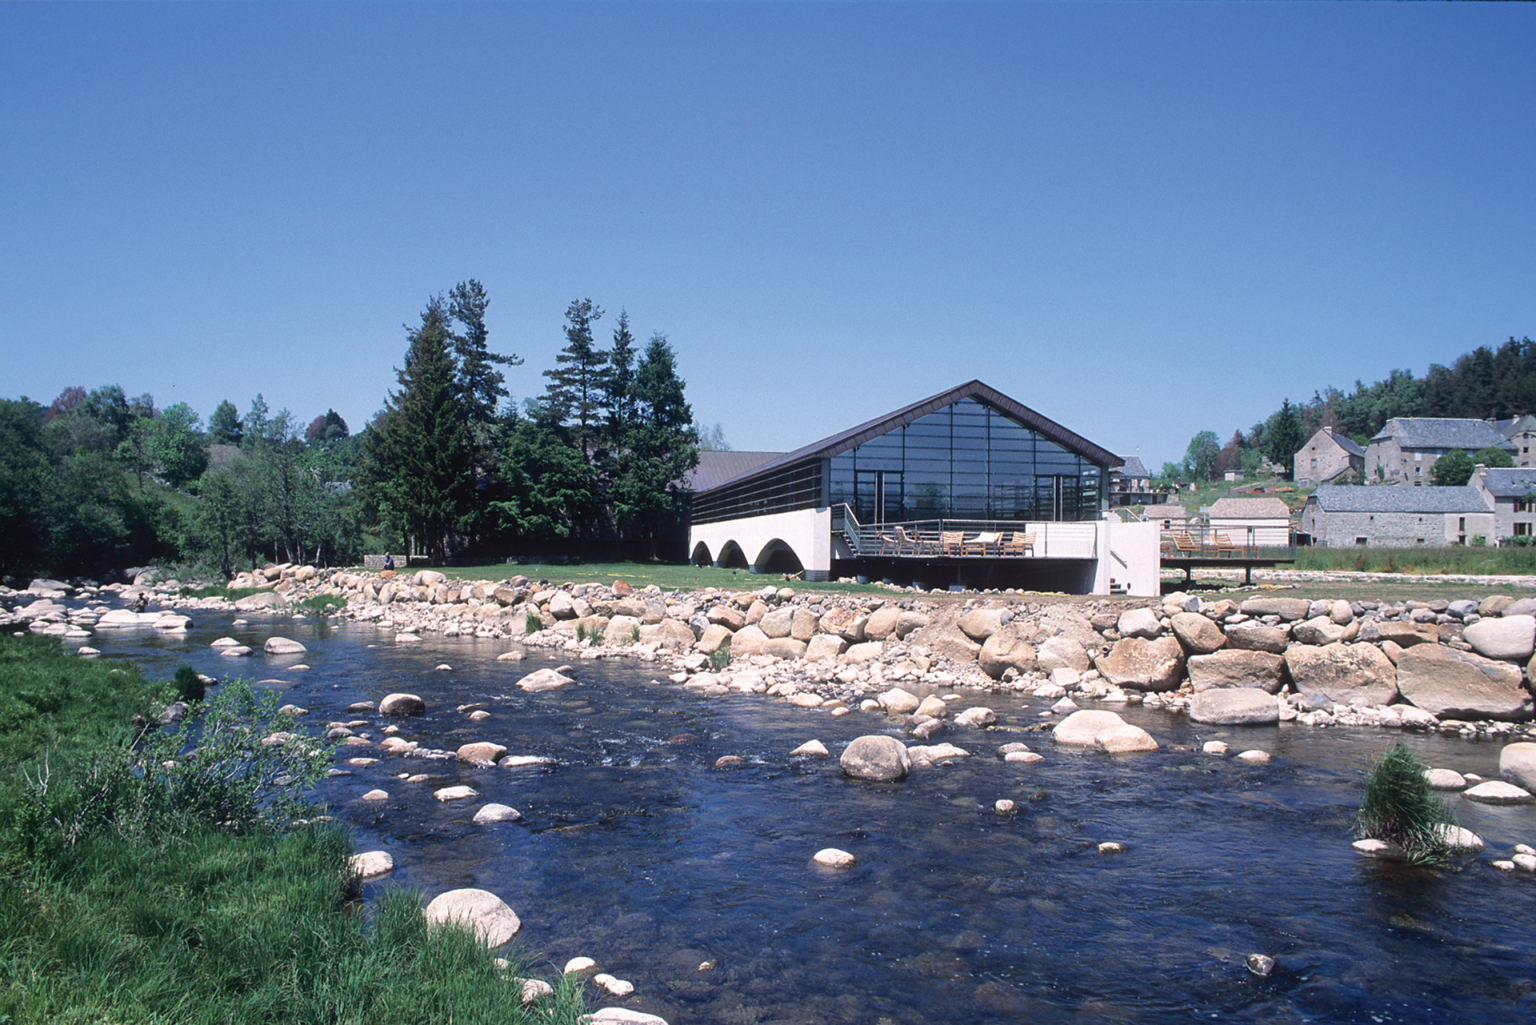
column 634, row 850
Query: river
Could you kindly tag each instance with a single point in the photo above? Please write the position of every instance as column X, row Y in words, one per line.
column 634, row 849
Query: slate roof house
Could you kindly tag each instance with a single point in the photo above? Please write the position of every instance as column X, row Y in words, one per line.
column 1520, row 432
column 1405, row 450
column 1511, row 494
column 1398, row 516
column 969, row 460
column 1325, row 457
column 1131, row 484
column 1260, row 521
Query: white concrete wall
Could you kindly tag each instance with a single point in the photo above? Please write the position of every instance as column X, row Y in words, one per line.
column 808, row 532
column 1131, row 554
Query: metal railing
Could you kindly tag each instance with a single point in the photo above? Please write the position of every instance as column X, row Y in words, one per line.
column 950, row 538
column 1204, row 542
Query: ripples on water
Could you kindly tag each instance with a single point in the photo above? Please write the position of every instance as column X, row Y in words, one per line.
column 633, row 849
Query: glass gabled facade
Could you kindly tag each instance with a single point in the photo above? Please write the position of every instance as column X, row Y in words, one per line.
column 963, row 461
column 966, row 461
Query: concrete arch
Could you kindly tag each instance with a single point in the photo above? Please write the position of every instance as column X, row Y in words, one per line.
column 731, row 556
column 701, row 556
column 777, row 557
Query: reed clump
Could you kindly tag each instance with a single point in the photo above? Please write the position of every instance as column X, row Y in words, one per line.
column 1399, row 806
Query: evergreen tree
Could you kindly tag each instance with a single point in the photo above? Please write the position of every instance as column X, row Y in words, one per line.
column 1284, row 437
column 549, row 486
column 418, row 462
column 575, row 389
column 481, row 385
column 619, row 381
column 660, row 447
column 224, row 426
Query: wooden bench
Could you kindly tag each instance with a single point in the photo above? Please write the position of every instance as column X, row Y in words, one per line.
column 952, row 542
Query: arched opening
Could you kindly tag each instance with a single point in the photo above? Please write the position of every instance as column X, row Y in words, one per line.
column 700, row 556
column 778, row 557
column 731, row 556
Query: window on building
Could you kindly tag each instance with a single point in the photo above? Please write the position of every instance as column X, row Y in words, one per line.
column 1361, row 542
column 1418, row 540
column 1522, row 530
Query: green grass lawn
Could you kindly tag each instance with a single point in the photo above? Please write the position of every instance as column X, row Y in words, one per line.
column 666, row 577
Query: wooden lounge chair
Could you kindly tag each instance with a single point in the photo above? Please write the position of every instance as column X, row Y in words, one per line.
column 1224, row 546
column 1018, row 544
column 952, row 542
column 1186, row 546
column 909, row 542
column 890, row 544
column 979, row 544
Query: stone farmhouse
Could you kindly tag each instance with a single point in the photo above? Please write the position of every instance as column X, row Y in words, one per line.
column 1520, row 432
column 1405, row 450
column 1131, row 484
column 1511, row 494
column 967, row 486
column 1399, row 516
column 1327, row 456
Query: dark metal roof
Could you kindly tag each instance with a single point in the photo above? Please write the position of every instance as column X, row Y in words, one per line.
column 1509, row 481
column 1398, row 498
column 715, row 468
column 1442, row 432
column 855, row 436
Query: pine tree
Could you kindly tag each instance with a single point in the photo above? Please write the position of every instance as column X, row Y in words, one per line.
column 661, row 445
column 418, row 461
column 224, row 426
column 576, row 384
column 481, row 385
column 1284, row 438
column 619, row 381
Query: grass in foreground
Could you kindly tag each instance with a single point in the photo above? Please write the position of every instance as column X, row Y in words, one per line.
column 150, row 877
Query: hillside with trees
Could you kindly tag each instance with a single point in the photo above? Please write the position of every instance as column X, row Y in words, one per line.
column 1485, row 384
column 450, row 467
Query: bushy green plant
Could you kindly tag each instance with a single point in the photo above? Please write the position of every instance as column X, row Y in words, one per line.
column 1398, row 806
column 720, row 657
column 189, row 685
column 634, row 635
column 581, row 632
column 323, row 604
column 532, row 623
column 1478, row 541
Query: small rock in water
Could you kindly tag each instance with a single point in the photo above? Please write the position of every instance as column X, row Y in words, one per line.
column 577, row 965
column 831, row 857
column 442, row 668
column 371, row 864
column 1110, row 847
column 1254, row 757
column 375, row 795
column 1261, row 965
column 1215, row 747
column 1445, row 779
column 617, row 987
column 493, row 813
column 811, row 747
column 1498, row 792
column 729, row 761
column 458, row 793
column 1003, row 807
column 535, row 990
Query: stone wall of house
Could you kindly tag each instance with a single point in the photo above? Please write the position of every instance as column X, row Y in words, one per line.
column 1319, row 460
column 1381, row 530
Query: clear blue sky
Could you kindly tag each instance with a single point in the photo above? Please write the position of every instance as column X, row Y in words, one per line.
column 1141, row 220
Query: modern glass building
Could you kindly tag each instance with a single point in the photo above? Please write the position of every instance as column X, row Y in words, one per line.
column 970, row 453
column 967, row 457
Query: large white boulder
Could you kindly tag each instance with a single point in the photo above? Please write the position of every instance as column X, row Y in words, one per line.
column 480, row 911
column 1234, row 706
column 1517, row 764
column 1512, row 638
column 1103, row 730
column 1455, row 684
column 282, row 646
column 544, row 679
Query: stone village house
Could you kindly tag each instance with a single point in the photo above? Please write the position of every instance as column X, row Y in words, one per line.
column 1325, row 457
column 1398, row 516
column 1511, row 494
column 1405, row 450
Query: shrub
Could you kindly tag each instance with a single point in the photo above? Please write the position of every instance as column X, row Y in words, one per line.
column 532, row 623
column 720, row 657
column 1398, row 806
column 1478, row 541
column 323, row 604
column 189, row 685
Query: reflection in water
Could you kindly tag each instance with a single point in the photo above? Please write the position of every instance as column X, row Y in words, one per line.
column 635, row 850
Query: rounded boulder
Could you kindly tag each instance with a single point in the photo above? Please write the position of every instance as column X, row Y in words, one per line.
column 876, row 757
